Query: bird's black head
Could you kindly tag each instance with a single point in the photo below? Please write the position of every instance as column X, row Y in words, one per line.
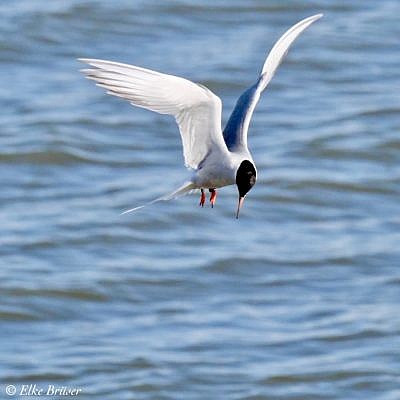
column 245, row 177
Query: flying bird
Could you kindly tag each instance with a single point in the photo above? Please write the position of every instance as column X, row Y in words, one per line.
column 214, row 157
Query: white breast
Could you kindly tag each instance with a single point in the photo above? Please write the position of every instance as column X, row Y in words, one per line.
column 218, row 170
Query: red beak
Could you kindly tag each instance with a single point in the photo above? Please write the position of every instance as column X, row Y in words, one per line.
column 240, row 203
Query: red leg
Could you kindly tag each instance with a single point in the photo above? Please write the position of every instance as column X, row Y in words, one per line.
column 202, row 198
column 213, row 197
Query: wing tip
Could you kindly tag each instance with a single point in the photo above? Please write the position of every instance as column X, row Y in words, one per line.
column 316, row 16
column 297, row 29
column 310, row 20
column 85, row 60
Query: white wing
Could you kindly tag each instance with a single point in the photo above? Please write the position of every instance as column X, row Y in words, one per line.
column 195, row 108
column 281, row 47
column 235, row 132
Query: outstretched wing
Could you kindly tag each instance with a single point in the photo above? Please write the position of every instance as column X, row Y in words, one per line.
column 196, row 109
column 235, row 132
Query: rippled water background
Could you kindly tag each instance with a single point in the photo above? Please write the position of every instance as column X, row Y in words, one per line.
column 299, row 299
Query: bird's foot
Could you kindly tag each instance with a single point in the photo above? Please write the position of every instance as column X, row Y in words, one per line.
column 202, row 198
column 213, row 197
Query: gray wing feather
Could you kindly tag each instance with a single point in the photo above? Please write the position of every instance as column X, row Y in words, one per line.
column 235, row 132
column 241, row 114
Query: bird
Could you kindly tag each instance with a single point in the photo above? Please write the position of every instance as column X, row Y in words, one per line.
column 214, row 157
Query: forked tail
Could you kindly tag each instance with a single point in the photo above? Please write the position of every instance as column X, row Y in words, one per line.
column 186, row 188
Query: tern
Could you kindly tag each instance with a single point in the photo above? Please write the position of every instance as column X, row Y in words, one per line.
column 215, row 157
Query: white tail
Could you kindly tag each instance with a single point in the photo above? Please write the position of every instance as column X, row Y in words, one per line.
column 186, row 188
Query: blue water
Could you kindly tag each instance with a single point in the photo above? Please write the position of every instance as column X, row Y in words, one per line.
column 298, row 299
